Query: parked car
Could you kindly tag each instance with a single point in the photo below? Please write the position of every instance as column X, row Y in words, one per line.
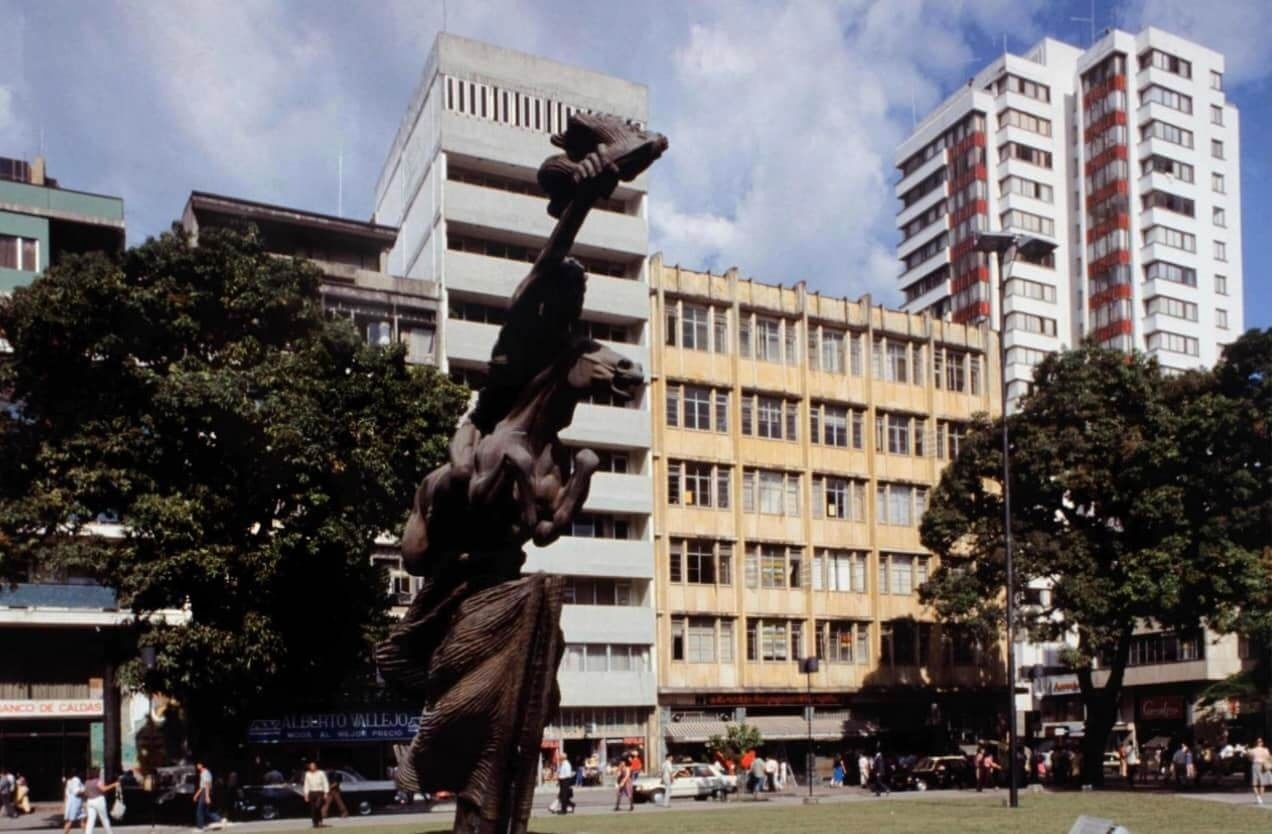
column 169, row 800
column 730, row 780
column 361, row 796
column 937, row 772
column 694, row 780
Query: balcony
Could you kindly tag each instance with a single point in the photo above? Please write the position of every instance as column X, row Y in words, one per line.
column 471, row 342
column 578, row 556
column 924, row 236
column 909, row 276
column 618, row 493
column 616, row 299
column 609, row 427
column 607, row 689
column 921, row 173
column 617, row 236
column 608, row 624
column 921, row 205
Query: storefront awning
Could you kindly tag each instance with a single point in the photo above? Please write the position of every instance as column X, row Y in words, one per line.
column 773, row 728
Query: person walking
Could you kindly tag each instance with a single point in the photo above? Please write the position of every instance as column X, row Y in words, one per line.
column 95, row 801
column 625, row 787
column 203, row 813
column 335, row 797
column 6, row 795
column 879, row 773
column 837, row 773
column 315, row 788
column 73, row 802
column 1260, row 774
column 565, row 791
column 863, row 769
column 756, row 778
column 770, row 774
column 22, row 795
column 1131, row 756
column 668, row 779
column 638, row 765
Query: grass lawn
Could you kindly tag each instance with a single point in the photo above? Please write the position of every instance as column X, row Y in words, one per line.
column 1049, row 814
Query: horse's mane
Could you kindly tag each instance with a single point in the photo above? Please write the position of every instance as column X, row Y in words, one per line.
column 579, row 345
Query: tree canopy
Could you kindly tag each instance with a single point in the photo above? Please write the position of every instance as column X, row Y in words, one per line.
column 1135, row 504
column 252, row 448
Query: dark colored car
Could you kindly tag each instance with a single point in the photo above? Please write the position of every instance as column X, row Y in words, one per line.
column 939, row 772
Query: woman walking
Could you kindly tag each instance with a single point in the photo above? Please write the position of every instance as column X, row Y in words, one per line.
column 1260, row 776
column 73, row 793
column 625, row 785
column 95, row 800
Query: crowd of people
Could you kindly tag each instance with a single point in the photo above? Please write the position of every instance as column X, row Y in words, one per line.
column 15, row 795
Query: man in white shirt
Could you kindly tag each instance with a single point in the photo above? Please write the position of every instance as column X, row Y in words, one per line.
column 315, row 788
column 668, row 779
column 565, row 790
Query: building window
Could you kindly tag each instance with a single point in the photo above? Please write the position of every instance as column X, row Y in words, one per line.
column 835, row 425
column 1217, row 184
column 1216, row 114
column 1173, row 307
column 1173, row 342
column 1026, row 188
column 1169, row 202
column 611, row 657
column 1031, row 324
column 1165, row 271
column 776, row 566
column 1216, row 80
column 1219, row 217
column 772, row 418
column 1173, row 238
column 891, row 362
column 1025, row 121
column 694, row 327
column 698, row 484
column 19, row 253
column 1216, row 148
column 1025, row 153
column 1156, row 163
column 1008, row 83
column 1036, row 223
column 1165, row 61
column 1221, row 250
column 601, row 526
column 768, row 339
column 842, row 499
column 582, row 590
column 902, row 573
column 843, row 641
column 697, row 407
column 1031, row 289
column 770, row 491
column 900, row 505
column 1154, row 94
column 1221, row 284
column 1167, row 132
column 840, row 570
column 1221, row 319
column 773, row 641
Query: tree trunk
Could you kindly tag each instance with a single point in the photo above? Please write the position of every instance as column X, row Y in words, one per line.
column 1101, row 706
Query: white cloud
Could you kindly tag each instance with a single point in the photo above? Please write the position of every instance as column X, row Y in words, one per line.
column 1237, row 28
column 783, row 121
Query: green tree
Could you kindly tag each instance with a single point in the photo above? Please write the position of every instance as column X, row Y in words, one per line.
column 1109, row 461
column 253, row 448
column 737, row 739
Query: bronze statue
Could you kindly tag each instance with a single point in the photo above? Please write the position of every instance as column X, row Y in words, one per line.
column 481, row 643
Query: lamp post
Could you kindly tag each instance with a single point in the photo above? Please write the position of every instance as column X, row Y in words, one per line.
column 1000, row 243
column 808, row 666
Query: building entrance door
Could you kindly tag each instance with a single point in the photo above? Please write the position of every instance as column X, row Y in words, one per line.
column 42, row 751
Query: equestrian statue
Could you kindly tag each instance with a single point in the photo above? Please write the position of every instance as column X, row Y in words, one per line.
column 481, row 643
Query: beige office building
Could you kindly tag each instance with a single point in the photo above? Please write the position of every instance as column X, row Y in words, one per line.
column 797, row 439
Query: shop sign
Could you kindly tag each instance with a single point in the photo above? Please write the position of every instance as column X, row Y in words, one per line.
column 1063, row 685
column 1161, row 708
column 348, row 725
column 756, row 699
column 634, row 740
column 52, row 708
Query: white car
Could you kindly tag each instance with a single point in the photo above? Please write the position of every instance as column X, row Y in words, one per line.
column 694, row 780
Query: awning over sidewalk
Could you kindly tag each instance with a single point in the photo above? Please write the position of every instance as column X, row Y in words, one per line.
column 774, row 728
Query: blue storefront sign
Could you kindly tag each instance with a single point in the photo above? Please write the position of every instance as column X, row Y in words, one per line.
column 340, row 725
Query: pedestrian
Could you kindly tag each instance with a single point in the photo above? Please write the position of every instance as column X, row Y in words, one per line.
column 625, row 787
column 579, row 771
column 879, row 773
column 1130, row 755
column 1260, row 775
column 95, row 800
column 565, row 790
column 863, row 769
column 770, row 774
column 783, row 775
column 203, row 813
column 6, row 795
column 668, row 779
column 73, row 806
column 756, row 779
column 638, row 765
column 837, row 773
column 978, row 765
column 315, row 788
column 334, row 796
column 22, row 795
column 1182, row 764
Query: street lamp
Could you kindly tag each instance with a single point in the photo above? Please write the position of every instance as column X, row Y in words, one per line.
column 1001, row 243
column 808, row 666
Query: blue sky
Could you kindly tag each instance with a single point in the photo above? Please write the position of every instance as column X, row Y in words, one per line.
column 782, row 115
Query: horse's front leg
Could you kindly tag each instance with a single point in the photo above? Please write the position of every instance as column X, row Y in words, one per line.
column 515, row 459
column 570, row 498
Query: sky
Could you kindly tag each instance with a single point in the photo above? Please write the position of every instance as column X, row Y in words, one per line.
column 782, row 114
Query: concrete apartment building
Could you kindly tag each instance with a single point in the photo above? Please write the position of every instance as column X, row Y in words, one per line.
column 460, row 182
column 1126, row 157
column 797, row 439
column 40, row 221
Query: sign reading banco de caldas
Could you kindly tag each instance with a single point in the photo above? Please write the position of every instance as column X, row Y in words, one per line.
column 337, row 725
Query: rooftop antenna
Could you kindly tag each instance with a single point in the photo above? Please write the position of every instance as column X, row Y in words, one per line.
column 1090, row 21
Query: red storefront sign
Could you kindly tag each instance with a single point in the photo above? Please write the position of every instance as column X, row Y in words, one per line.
column 1162, row 708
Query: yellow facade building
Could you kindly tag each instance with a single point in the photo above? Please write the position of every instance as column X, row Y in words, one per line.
column 796, row 441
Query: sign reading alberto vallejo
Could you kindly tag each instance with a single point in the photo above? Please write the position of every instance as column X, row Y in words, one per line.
column 346, row 725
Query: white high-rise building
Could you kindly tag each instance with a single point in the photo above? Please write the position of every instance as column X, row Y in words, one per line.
column 460, row 182
column 1125, row 156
